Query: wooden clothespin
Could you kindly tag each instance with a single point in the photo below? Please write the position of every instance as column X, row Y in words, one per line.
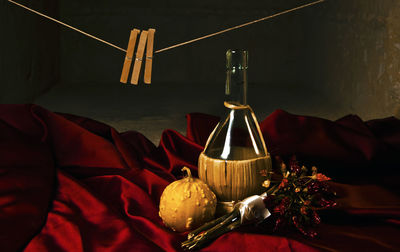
column 129, row 55
column 139, row 58
column 149, row 56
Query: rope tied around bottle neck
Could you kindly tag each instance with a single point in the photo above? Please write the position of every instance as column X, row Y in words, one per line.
column 236, row 106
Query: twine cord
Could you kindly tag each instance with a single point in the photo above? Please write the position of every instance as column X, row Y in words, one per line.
column 240, row 26
column 176, row 45
column 69, row 26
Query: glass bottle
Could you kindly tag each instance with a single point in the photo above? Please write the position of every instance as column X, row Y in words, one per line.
column 235, row 154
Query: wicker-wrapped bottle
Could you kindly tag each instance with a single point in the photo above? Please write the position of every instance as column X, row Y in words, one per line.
column 235, row 153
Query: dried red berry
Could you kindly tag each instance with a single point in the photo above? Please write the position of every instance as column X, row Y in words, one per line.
column 315, row 218
column 304, row 210
column 322, row 177
column 324, row 203
column 283, row 183
column 294, row 166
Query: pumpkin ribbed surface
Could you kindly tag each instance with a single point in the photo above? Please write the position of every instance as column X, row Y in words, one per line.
column 187, row 204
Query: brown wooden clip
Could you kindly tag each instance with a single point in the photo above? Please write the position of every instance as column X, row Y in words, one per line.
column 149, row 56
column 139, row 58
column 129, row 55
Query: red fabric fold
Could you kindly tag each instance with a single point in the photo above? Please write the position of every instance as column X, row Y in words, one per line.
column 69, row 183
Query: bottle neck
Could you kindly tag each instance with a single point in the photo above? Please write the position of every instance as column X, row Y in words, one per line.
column 236, row 86
column 236, row 77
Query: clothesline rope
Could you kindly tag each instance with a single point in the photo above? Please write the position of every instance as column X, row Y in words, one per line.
column 69, row 26
column 239, row 26
column 176, row 45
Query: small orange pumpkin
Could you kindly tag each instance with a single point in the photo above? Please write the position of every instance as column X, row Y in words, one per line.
column 187, row 203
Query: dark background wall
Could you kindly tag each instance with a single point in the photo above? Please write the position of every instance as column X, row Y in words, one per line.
column 29, row 52
column 329, row 60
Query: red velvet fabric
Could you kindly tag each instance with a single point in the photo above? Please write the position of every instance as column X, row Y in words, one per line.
column 69, row 183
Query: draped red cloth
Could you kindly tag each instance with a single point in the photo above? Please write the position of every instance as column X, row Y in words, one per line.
column 69, row 183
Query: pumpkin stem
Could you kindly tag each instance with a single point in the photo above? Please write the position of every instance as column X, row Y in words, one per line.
column 189, row 174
